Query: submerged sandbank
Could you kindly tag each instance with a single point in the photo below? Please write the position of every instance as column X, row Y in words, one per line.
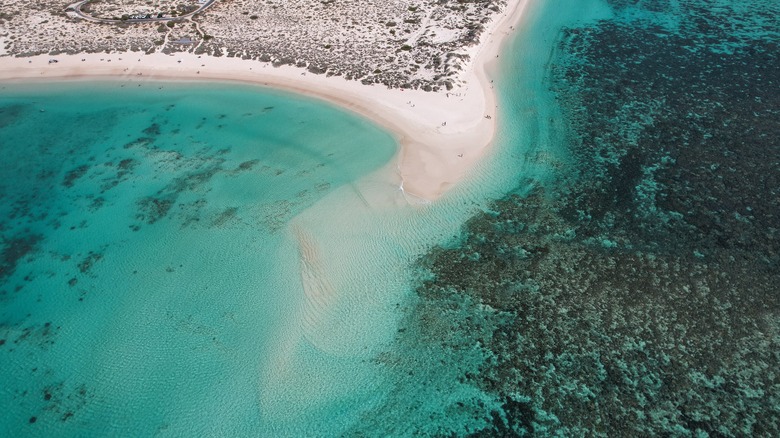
column 441, row 135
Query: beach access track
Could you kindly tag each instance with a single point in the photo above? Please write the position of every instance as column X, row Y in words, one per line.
column 74, row 11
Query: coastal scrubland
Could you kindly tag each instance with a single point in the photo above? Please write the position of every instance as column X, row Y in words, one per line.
column 410, row 44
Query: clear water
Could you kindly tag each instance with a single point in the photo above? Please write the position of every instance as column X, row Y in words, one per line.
column 219, row 260
column 208, row 259
column 215, row 260
column 149, row 271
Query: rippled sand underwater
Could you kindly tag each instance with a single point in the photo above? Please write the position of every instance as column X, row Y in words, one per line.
column 206, row 260
column 146, row 269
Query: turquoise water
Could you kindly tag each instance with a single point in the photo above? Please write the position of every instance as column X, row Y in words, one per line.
column 218, row 260
column 148, row 272
column 439, row 352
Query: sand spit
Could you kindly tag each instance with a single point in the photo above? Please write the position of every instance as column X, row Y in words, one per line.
column 441, row 134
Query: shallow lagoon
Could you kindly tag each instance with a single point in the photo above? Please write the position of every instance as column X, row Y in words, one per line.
column 147, row 269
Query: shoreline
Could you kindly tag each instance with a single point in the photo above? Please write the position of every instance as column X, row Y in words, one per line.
column 441, row 135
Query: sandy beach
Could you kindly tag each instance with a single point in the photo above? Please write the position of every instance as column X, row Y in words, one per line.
column 441, row 134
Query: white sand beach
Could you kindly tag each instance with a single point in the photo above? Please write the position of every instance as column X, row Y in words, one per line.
column 441, row 134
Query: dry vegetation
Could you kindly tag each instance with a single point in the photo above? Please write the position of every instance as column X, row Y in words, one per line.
column 400, row 43
column 118, row 9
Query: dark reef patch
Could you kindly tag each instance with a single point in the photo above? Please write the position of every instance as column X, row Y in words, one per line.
column 152, row 130
column 86, row 264
column 73, row 175
column 38, row 335
column 142, row 142
column 64, row 401
column 123, row 170
column 97, row 203
column 224, row 217
column 14, row 250
column 152, row 209
column 194, row 180
column 247, row 165
column 10, row 114
column 190, row 212
column 127, row 165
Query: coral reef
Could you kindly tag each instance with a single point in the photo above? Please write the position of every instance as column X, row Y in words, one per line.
column 637, row 294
